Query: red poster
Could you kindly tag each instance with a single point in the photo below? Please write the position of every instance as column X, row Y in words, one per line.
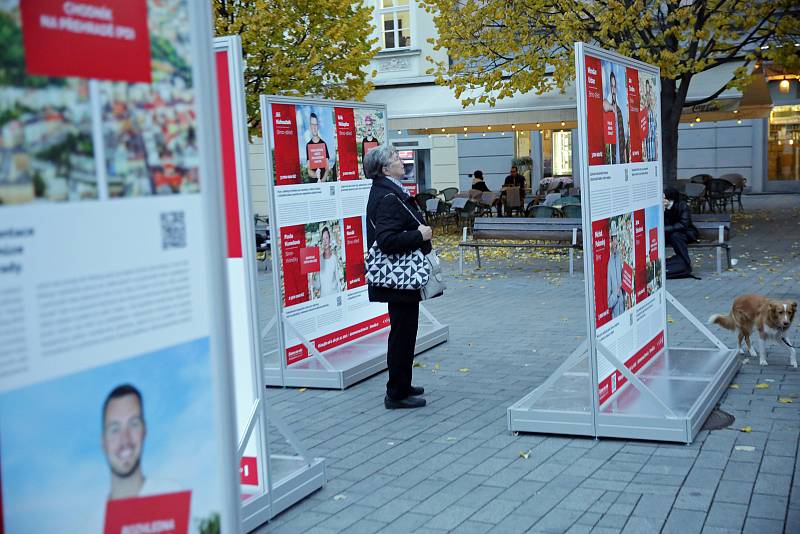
column 165, row 514
column 354, row 252
column 248, row 471
column 295, row 283
column 87, row 39
column 600, row 253
column 627, row 277
column 654, row 244
column 594, row 110
column 317, row 154
column 335, row 339
column 640, row 254
column 610, row 128
column 286, row 155
column 348, row 150
column 229, row 179
column 632, row 77
column 309, row 260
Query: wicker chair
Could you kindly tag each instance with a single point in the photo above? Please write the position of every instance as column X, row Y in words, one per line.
column 739, row 183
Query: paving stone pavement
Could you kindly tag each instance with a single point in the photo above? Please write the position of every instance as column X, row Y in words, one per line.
column 454, row 467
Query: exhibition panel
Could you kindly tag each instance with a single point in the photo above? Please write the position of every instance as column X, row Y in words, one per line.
column 115, row 382
column 640, row 387
column 269, row 481
column 330, row 335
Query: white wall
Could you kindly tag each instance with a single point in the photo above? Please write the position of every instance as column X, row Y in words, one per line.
column 718, row 148
column 444, row 162
column 491, row 154
column 258, row 180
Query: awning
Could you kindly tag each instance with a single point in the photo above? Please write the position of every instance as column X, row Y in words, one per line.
column 433, row 108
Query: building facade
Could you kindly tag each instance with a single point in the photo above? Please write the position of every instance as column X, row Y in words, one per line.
column 755, row 134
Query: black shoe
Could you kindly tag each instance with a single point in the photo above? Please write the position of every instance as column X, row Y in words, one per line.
column 416, row 391
column 408, row 402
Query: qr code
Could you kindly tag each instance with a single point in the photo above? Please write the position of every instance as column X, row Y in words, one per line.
column 173, row 230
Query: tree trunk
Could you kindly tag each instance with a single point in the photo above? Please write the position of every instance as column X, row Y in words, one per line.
column 672, row 99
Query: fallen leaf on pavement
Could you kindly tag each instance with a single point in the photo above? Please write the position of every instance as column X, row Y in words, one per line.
column 670, row 319
column 301, row 390
column 525, row 454
column 785, row 400
column 745, row 448
column 339, row 497
column 464, row 370
column 734, row 386
column 762, row 386
column 746, row 429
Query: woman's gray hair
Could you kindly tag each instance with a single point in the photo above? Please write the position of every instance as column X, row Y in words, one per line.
column 376, row 159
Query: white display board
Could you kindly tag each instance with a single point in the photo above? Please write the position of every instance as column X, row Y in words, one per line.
column 116, row 411
column 619, row 108
column 624, row 380
column 319, row 197
column 270, row 483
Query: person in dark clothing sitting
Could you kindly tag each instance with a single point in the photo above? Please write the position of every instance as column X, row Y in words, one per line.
column 478, row 183
column 678, row 233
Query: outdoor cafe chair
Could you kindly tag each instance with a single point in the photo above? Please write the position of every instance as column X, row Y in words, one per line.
column 422, row 202
column 487, row 202
column 739, row 182
column 513, row 201
column 695, row 196
column 465, row 211
column 569, row 201
column 719, row 193
column 542, row 212
column 432, row 191
column 571, row 211
column 700, row 179
column 449, row 193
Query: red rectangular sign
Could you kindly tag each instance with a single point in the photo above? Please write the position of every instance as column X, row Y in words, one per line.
column 229, row 178
column 347, row 147
column 632, row 77
column 594, row 110
column 654, row 244
column 165, row 514
column 295, row 282
column 309, row 260
column 354, row 269
column 286, row 155
column 248, row 471
column 600, row 252
column 102, row 39
column 627, row 277
column 640, row 254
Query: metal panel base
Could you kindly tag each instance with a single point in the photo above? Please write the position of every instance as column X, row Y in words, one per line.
column 351, row 363
column 688, row 381
column 293, row 481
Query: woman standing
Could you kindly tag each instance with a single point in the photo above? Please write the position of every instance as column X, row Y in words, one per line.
column 396, row 230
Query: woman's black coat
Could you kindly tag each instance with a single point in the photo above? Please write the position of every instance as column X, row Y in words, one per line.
column 395, row 231
column 679, row 219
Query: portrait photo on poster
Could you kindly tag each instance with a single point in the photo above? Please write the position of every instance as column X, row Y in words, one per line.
column 619, row 287
column 615, row 114
column 316, row 140
column 648, row 116
column 131, row 430
column 370, row 132
column 326, row 270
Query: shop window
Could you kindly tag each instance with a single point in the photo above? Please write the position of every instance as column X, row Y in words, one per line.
column 395, row 24
column 783, row 148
